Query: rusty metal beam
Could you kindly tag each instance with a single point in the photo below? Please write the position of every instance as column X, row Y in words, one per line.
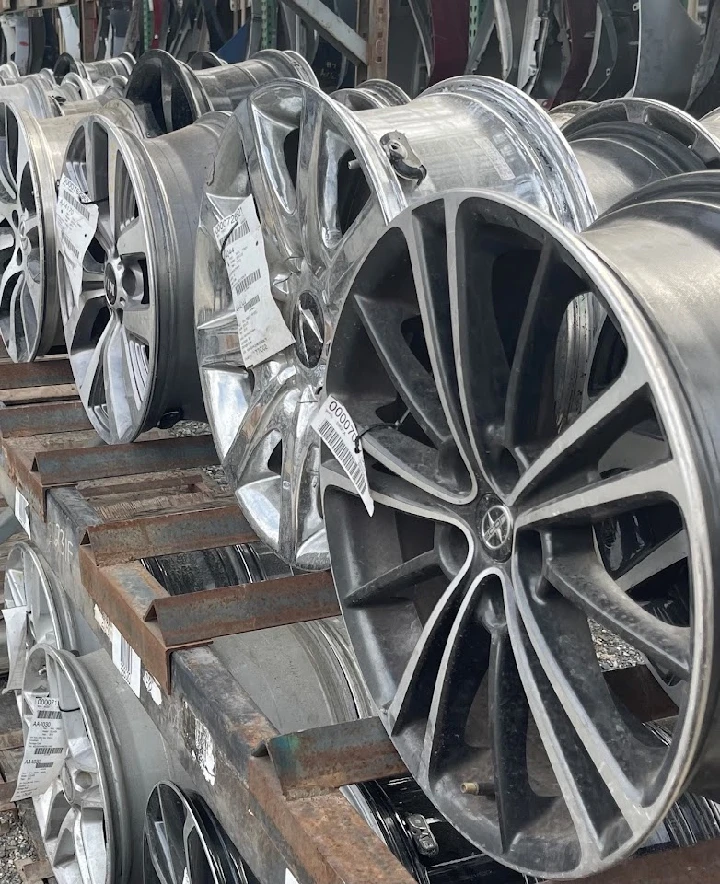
column 320, row 759
column 125, row 593
column 199, row 616
column 43, row 418
column 67, row 466
column 124, row 541
column 43, row 373
column 699, row 864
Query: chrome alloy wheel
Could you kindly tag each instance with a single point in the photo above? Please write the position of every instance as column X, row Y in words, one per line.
column 470, row 618
column 91, row 815
column 324, row 179
column 32, row 148
column 128, row 331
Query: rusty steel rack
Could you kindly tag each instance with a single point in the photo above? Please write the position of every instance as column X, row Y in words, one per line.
column 94, row 511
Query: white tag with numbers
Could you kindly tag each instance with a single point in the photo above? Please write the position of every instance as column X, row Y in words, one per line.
column 152, row 687
column 16, row 622
column 45, row 748
column 77, row 220
column 262, row 331
column 126, row 660
column 22, row 512
column 337, row 430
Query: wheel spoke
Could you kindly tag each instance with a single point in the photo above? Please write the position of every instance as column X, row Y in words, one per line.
column 580, row 445
column 131, row 240
column 574, row 570
column 383, row 322
column 118, row 380
column 397, row 582
column 91, row 388
column 530, row 408
column 669, row 552
column 605, row 498
column 80, row 326
column 462, row 667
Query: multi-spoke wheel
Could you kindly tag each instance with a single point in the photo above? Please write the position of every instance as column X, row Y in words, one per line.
column 31, row 156
column 91, row 815
column 121, row 66
column 169, row 94
column 128, row 326
column 318, row 172
column 626, row 143
column 185, row 844
column 470, row 594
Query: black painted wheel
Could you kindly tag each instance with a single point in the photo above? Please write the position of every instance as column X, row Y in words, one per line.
column 471, row 593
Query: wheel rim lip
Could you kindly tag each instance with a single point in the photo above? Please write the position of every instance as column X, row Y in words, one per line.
column 21, row 552
column 99, row 731
column 535, row 126
column 610, row 285
column 153, row 69
column 140, row 172
column 583, row 121
column 43, row 190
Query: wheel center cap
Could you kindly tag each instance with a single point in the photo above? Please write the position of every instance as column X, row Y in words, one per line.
column 309, row 329
column 495, row 525
column 111, row 285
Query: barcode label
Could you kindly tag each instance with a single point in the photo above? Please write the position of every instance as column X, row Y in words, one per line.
column 126, row 660
column 45, row 747
column 337, row 430
column 77, row 222
column 336, row 444
column 77, row 205
column 242, row 285
column 262, row 331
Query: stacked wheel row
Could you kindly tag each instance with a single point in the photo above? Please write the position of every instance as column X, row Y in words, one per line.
column 460, row 355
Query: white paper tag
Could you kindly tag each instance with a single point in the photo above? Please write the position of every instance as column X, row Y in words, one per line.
column 22, row 513
column 204, row 751
column 77, row 220
column 103, row 622
column 261, row 328
column 16, row 635
column 152, row 687
column 290, row 878
column 126, row 660
column 186, row 876
column 45, row 748
column 337, row 430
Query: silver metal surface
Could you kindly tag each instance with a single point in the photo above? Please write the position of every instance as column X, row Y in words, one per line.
column 31, row 155
column 91, row 816
column 317, row 172
column 128, row 332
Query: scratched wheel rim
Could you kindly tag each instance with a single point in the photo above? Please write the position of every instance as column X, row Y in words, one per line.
column 184, row 843
column 468, row 621
column 83, row 814
column 323, row 183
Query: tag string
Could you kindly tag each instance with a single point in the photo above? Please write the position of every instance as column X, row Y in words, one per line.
column 393, row 426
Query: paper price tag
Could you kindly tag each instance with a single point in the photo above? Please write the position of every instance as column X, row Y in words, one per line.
column 22, row 512
column 337, row 430
column 261, row 328
column 77, row 220
column 126, row 660
column 16, row 621
column 45, row 748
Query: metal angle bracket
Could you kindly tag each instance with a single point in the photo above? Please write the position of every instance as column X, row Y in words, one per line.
column 321, row 759
column 331, row 27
